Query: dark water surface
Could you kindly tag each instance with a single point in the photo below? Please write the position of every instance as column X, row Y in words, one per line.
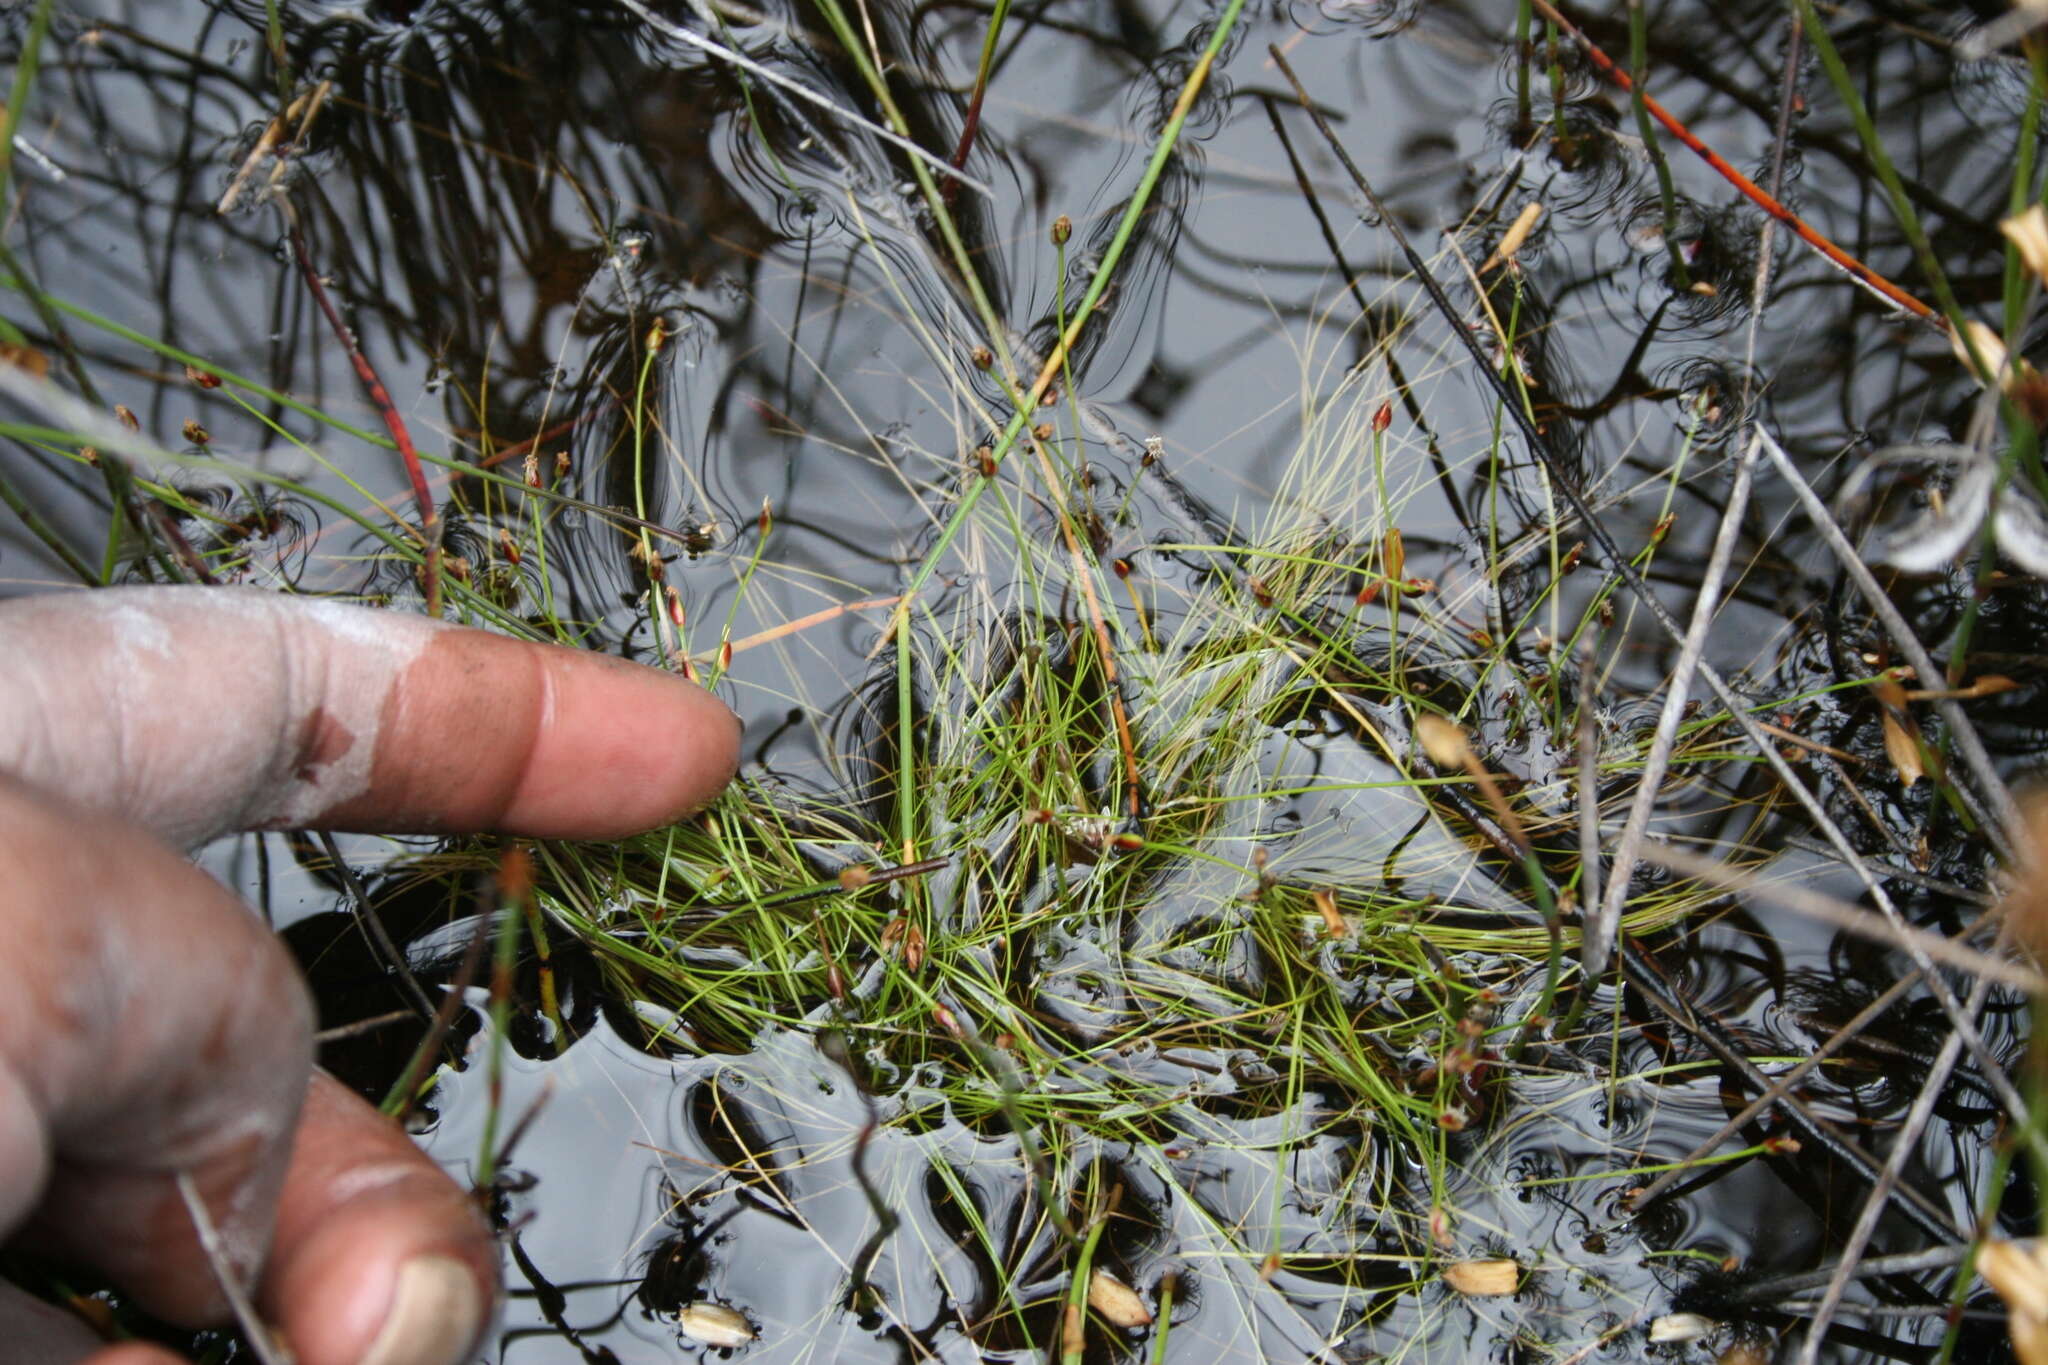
column 504, row 196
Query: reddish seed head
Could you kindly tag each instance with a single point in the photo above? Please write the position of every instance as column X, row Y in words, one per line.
column 1122, row 567
column 983, row 357
column 1062, row 229
column 1383, row 418
column 724, row 655
column 195, row 433
column 126, row 416
column 203, row 378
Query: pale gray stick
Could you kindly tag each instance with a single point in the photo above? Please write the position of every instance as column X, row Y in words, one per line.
column 1903, row 1147
column 1601, row 929
column 268, row 1352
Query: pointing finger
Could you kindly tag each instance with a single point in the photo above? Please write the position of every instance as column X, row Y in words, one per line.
column 196, row 711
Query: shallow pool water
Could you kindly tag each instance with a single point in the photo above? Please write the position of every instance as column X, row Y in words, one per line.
column 505, row 198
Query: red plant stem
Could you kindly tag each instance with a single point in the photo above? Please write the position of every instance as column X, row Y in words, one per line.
column 380, row 397
column 1854, row 268
column 969, row 126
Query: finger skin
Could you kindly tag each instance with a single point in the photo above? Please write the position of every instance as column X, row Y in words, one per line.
column 361, row 1200
column 196, row 711
column 150, row 1026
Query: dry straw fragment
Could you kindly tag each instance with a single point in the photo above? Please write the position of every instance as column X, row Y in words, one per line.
column 2028, row 232
column 715, row 1325
column 1483, row 1279
column 1117, row 1301
column 2019, row 1272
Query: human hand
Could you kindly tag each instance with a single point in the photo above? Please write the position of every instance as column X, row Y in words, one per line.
column 151, row 1027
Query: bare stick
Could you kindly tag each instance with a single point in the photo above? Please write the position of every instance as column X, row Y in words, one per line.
column 1778, row 1088
column 1842, row 915
column 267, row 1349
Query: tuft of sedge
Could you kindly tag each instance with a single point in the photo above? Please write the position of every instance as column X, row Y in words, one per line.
column 1116, row 1301
column 1483, row 1279
column 1062, row 229
column 205, row 379
column 854, row 876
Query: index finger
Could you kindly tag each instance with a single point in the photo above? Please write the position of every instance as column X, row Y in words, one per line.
column 202, row 710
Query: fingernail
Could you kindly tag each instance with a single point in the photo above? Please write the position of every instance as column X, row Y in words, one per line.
column 436, row 1311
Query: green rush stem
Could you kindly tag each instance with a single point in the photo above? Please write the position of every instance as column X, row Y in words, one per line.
column 504, row 959
column 906, row 745
column 1887, row 174
column 657, row 584
column 1523, row 53
column 274, row 18
column 1553, row 968
column 1560, row 137
column 1073, row 1338
column 1164, row 1318
column 46, row 533
column 2022, row 188
column 1639, row 63
column 17, row 98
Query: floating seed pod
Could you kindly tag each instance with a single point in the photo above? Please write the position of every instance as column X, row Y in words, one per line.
column 714, row 1324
